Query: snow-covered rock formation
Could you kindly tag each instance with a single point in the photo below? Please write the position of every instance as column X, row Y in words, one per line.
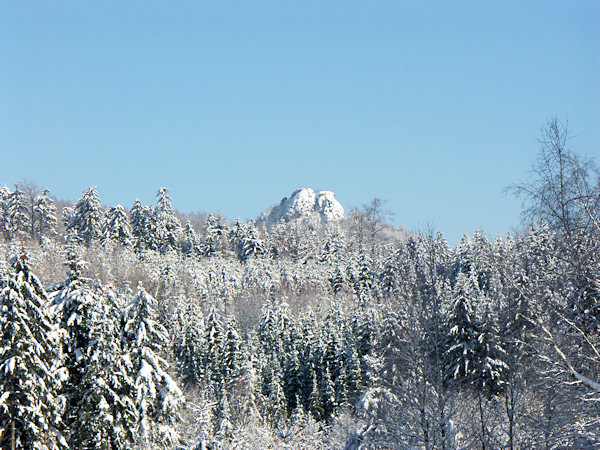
column 305, row 203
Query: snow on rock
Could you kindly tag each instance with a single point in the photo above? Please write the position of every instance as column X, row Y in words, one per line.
column 305, row 203
column 328, row 207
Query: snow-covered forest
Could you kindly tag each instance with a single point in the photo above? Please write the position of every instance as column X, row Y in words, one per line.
column 140, row 327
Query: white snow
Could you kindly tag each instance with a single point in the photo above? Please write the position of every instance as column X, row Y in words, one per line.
column 328, row 207
column 305, row 203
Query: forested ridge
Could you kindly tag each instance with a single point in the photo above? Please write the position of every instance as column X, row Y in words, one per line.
column 146, row 328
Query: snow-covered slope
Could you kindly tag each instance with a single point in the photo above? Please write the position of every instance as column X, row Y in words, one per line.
column 305, row 203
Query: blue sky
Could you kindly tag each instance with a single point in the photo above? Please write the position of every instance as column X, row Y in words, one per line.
column 431, row 106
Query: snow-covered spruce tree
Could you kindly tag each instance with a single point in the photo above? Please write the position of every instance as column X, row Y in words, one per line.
column 71, row 306
column 140, row 226
column 214, row 333
column 189, row 241
column 236, row 236
column 189, row 345
column 15, row 214
column 463, row 332
column 388, row 276
column 167, row 224
column 332, row 245
column 4, row 193
column 224, row 429
column 337, row 280
column 252, row 245
column 216, row 236
column 491, row 368
column 29, row 407
column 234, row 354
column 45, row 211
column 99, row 411
column 116, row 227
column 157, row 396
column 87, row 219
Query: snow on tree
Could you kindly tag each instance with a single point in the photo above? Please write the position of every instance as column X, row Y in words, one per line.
column 216, row 235
column 224, row 428
column 140, row 226
column 214, row 335
column 16, row 219
column 189, row 241
column 45, row 211
column 87, row 219
column 491, row 367
column 463, row 331
column 252, row 245
column 4, row 193
column 157, row 396
column 99, row 413
column 116, row 227
column 167, row 224
column 337, row 280
column 233, row 353
column 29, row 406
column 189, row 345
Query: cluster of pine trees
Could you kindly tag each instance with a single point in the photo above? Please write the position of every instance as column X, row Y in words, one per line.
column 299, row 334
column 81, row 366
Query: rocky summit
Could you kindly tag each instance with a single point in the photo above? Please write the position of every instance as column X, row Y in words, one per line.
column 305, row 203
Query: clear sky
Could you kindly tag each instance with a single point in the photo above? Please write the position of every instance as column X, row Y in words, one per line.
column 431, row 106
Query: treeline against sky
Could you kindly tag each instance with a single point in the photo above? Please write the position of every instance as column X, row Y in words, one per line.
column 140, row 331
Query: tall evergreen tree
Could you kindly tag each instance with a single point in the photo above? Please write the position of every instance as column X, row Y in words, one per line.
column 4, row 193
column 143, row 227
column 116, row 227
column 87, row 219
column 157, row 397
column 29, row 407
column 16, row 217
column 216, row 235
column 189, row 345
column 189, row 241
column 167, row 224
column 99, row 410
column 45, row 211
column 463, row 332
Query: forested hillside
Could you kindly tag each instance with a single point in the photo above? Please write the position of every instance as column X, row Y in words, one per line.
column 145, row 328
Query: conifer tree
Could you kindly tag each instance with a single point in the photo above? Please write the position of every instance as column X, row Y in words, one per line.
column 337, row 280
column 251, row 244
column 116, row 227
column 140, row 226
column 216, row 235
column 45, row 211
column 189, row 241
column 233, row 353
column 157, row 397
column 99, row 410
column 315, row 401
column 16, row 219
column 107, row 413
column 4, row 193
column 327, row 389
column 72, row 305
column 167, row 224
column 189, row 344
column 87, row 219
column 214, row 335
column 463, row 332
column 224, row 428
column 491, row 369
column 29, row 407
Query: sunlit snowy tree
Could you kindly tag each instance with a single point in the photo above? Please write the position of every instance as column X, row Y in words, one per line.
column 29, row 406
